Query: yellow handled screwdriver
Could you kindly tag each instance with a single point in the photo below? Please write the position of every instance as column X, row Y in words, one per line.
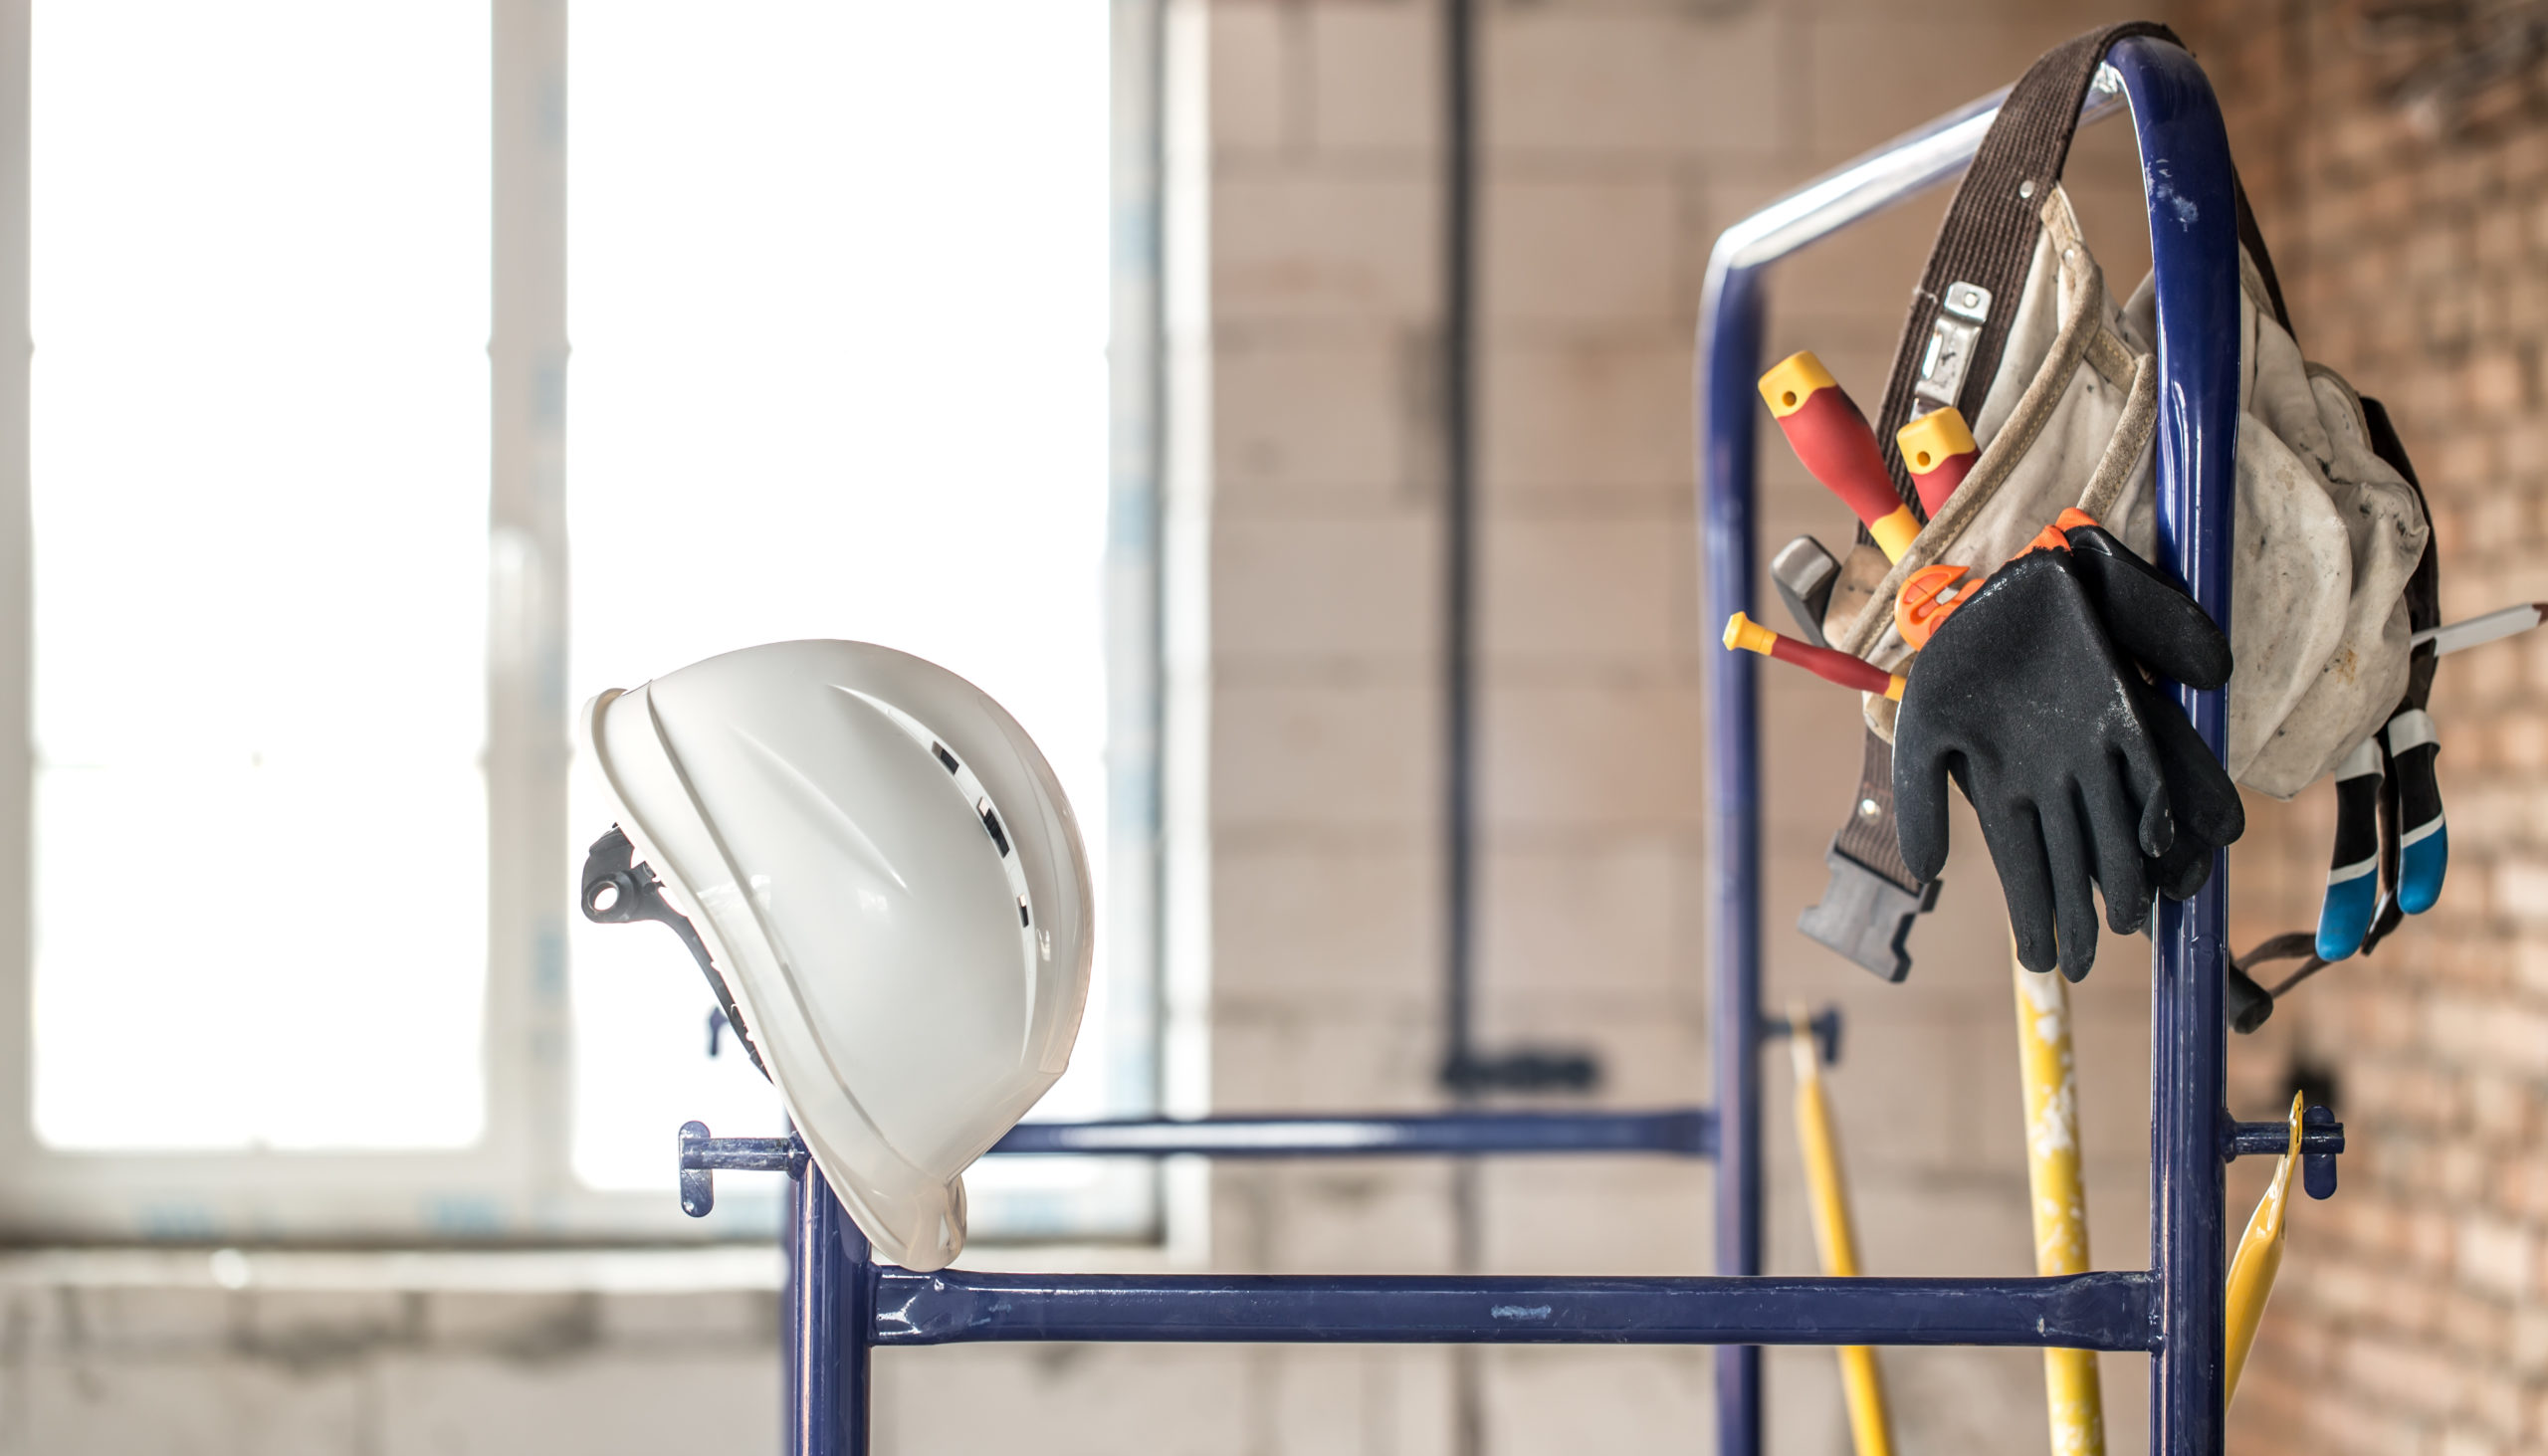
column 1831, row 436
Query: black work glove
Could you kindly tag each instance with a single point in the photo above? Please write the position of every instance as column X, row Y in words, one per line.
column 2201, row 799
column 2025, row 698
column 2154, row 623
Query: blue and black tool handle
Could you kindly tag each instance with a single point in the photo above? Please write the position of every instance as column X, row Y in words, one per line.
column 2353, row 878
column 2415, row 836
column 2392, row 844
column 2390, row 830
column 2414, row 804
column 2373, row 783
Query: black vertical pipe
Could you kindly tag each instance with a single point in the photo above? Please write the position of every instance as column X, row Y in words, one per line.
column 1460, row 658
column 1459, row 540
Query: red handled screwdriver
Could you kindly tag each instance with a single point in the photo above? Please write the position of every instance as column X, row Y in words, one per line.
column 1938, row 452
column 1832, row 667
column 1833, row 439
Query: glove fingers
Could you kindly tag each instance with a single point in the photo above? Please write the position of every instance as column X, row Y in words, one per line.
column 2163, row 629
column 2026, row 879
column 2113, row 833
column 2183, row 869
column 2202, row 799
column 2147, row 615
column 2146, row 785
column 2067, row 855
column 1919, row 808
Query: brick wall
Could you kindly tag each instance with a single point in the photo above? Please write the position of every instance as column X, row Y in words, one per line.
column 2411, row 1314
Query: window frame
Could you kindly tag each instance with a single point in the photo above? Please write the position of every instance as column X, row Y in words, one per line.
column 517, row 1184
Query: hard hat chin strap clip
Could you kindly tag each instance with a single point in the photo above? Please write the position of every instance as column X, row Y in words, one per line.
column 617, row 891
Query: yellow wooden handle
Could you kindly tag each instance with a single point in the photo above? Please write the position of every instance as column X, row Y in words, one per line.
column 2074, row 1399
column 1834, row 1237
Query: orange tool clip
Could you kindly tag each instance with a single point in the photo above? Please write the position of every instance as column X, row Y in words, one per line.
column 1933, row 591
column 1836, row 442
column 1926, row 599
column 1938, row 450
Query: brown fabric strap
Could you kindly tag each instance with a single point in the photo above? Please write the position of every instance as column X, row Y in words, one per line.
column 1868, row 835
column 1988, row 238
column 2253, row 238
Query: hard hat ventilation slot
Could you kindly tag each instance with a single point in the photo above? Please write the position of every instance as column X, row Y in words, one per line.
column 945, row 757
column 1024, row 921
column 991, row 821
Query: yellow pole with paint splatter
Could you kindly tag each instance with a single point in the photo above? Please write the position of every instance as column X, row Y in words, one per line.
column 2259, row 1259
column 1861, row 1382
column 2074, row 1401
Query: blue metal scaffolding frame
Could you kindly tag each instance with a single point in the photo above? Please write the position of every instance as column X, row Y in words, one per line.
column 841, row 1304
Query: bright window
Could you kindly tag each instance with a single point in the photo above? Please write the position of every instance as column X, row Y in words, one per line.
column 259, row 499
column 839, row 309
column 307, row 623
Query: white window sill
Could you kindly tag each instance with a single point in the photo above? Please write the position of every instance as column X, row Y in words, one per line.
column 688, row 1270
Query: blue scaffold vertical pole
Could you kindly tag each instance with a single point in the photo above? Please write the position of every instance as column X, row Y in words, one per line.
column 2194, row 240
column 1734, row 829
column 830, row 1317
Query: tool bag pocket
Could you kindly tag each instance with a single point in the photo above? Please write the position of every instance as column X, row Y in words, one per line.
column 2014, row 325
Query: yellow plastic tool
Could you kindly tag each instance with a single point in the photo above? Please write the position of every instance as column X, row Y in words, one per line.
column 1939, row 453
column 2258, row 1260
column 2073, row 1397
column 1934, row 439
column 1861, row 1381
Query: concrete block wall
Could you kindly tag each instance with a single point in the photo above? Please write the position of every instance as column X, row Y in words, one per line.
column 205, row 1371
column 1620, row 136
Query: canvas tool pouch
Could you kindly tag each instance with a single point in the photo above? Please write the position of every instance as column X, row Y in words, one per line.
column 2014, row 325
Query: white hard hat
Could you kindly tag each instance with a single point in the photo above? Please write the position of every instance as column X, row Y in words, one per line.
column 890, row 881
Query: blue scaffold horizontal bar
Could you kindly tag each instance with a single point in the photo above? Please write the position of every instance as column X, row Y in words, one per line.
column 1684, row 1131
column 2108, row 1311
column 1671, row 1132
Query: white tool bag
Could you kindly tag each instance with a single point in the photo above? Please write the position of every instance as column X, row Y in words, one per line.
column 2012, row 325
column 2327, row 532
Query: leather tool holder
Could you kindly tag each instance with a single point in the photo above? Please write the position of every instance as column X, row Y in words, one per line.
column 1952, row 344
